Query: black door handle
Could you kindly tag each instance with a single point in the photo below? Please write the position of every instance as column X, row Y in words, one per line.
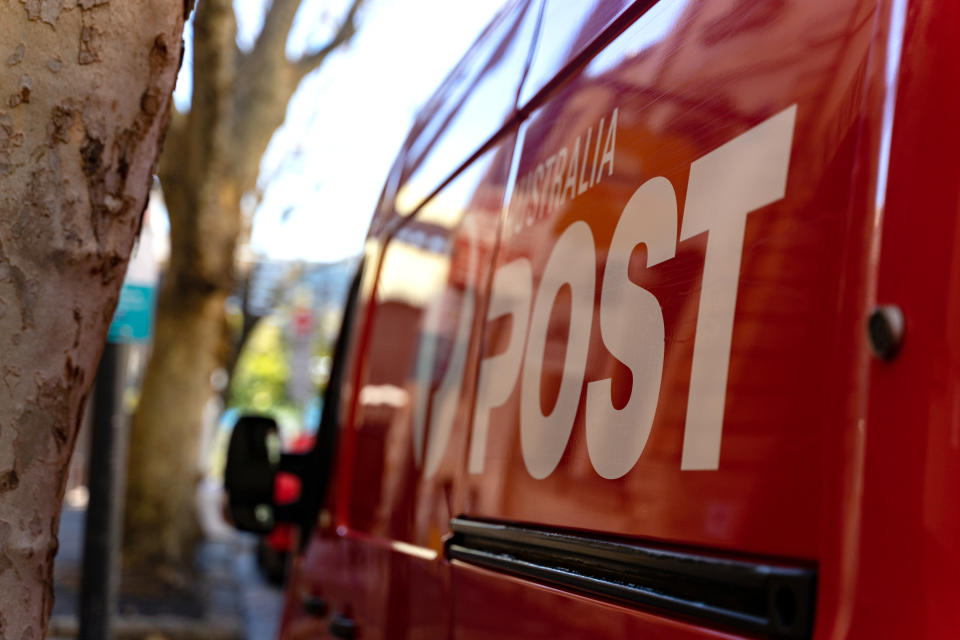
column 342, row 627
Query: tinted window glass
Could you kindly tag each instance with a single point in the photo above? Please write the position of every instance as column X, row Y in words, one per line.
column 566, row 28
column 474, row 102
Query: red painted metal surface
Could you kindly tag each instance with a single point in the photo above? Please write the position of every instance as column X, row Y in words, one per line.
column 906, row 557
column 828, row 457
column 491, row 606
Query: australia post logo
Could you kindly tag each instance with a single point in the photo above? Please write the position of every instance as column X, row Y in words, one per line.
column 724, row 187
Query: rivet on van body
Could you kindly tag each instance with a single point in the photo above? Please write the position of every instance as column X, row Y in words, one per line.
column 885, row 327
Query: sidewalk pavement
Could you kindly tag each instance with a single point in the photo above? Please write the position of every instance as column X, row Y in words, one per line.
column 229, row 600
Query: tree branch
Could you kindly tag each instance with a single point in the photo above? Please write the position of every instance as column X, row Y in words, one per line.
column 348, row 28
column 214, row 71
column 266, row 81
column 272, row 42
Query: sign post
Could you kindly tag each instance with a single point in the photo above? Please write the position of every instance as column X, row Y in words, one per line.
column 132, row 323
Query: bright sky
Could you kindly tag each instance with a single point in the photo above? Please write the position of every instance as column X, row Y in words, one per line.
column 345, row 125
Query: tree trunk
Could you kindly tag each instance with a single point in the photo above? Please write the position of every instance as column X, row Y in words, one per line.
column 204, row 207
column 211, row 160
column 84, row 99
column 168, row 424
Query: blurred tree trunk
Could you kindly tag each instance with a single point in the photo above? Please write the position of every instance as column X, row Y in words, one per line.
column 211, row 162
column 84, row 100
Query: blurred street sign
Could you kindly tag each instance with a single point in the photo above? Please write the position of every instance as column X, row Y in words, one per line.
column 302, row 322
column 300, row 387
column 133, row 318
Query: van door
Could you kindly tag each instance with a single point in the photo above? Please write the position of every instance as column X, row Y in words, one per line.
column 674, row 272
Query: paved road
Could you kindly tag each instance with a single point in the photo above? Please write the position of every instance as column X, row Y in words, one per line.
column 260, row 602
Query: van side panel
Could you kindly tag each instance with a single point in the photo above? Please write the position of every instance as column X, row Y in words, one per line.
column 705, row 381
column 684, row 396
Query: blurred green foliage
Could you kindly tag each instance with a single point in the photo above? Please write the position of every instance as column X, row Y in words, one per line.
column 259, row 383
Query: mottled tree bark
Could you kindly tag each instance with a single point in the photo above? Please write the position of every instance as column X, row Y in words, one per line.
column 211, row 160
column 84, row 100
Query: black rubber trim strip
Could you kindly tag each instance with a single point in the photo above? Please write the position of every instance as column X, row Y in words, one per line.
column 772, row 599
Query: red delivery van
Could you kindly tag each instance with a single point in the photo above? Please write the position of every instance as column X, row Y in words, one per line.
column 656, row 335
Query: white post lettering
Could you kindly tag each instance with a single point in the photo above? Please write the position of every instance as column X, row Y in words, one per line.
column 510, row 294
column 631, row 325
column 543, row 438
column 725, row 185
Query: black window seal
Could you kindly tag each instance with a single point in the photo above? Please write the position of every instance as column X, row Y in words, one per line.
column 775, row 599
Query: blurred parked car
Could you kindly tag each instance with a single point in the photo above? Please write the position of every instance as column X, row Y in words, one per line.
column 274, row 548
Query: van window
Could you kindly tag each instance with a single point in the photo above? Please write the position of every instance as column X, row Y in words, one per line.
column 566, row 28
column 474, row 102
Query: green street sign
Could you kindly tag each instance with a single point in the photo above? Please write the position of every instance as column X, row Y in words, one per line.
column 133, row 319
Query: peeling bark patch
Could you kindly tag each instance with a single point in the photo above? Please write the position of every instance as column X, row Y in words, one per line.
column 17, row 56
column 36, row 525
column 23, row 91
column 86, row 5
column 26, row 290
column 54, row 65
column 11, row 374
column 10, row 138
column 50, row 11
column 9, row 480
column 150, row 101
column 159, row 53
column 47, row 421
column 61, row 119
column 89, row 44
column 32, row 7
column 91, row 153
column 44, row 10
